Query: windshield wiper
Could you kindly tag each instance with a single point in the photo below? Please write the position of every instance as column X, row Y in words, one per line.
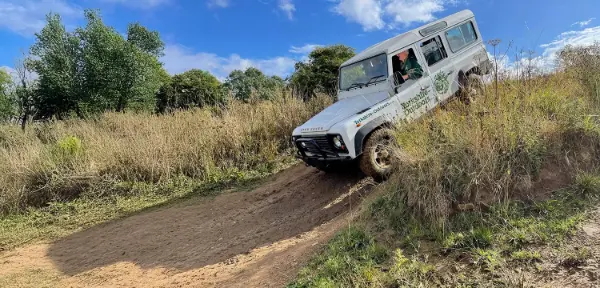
column 372, row 80
column 355, row 85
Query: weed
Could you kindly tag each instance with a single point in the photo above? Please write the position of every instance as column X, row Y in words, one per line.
column 352, row 258
column 576, row 258
column 526, row 256
column 487, row 259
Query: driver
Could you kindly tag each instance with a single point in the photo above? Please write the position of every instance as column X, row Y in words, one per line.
column 410, row 68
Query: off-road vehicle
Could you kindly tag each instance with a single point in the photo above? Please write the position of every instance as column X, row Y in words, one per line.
column 398, row 79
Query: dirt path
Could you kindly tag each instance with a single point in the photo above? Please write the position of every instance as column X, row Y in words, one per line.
column 258, row 238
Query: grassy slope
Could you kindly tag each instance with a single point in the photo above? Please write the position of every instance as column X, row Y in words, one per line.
column 482, row 249
column 487, row 159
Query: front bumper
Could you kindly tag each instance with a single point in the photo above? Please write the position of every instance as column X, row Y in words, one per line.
column 317, row 151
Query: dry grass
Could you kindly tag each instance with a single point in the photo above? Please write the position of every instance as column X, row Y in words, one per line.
column 488, row 151
column 59, row 160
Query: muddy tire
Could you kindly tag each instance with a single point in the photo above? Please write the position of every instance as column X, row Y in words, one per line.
column 376, row 159
column 471, row 87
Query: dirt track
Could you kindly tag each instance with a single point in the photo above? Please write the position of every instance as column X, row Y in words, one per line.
column 257, row 238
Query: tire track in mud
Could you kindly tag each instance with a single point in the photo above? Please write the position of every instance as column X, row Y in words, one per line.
column 258, row 238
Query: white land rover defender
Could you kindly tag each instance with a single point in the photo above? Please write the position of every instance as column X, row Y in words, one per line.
column 398, row 79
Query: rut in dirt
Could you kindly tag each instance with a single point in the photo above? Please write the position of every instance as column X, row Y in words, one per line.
column 207, row 231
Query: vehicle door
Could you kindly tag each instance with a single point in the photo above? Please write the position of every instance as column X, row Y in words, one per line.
column 441, row 67
column 412, row 87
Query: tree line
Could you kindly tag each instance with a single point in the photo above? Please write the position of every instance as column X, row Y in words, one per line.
column 94, row 69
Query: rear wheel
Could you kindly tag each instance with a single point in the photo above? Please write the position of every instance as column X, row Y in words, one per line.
column 376, row 160
column 471, row 87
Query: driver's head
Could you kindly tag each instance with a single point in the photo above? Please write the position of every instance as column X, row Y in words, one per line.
column 403, row 55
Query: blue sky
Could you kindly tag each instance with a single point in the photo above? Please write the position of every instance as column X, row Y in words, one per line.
column 223, row 35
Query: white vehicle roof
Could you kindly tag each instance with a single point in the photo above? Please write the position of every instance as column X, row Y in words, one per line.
column 410, row 37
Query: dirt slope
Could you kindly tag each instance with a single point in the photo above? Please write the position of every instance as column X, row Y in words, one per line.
column 257, row 238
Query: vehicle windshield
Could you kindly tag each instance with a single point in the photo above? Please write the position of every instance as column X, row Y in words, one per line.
column 364, row 73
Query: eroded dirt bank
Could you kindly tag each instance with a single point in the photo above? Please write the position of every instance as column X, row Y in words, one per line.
column 257, row 238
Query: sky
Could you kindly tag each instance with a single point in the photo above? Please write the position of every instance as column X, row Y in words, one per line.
column 223, row 35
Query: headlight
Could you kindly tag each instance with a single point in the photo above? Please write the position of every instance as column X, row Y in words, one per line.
column 337, row 141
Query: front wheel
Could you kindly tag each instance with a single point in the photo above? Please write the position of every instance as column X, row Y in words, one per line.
column 376, row 160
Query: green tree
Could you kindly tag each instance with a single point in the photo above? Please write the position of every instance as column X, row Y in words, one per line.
column 57, row 59
column 253, row 83
column 320, row 72
column 194, row 88
column 6, row 103
column 95, row 69
column 146, row 40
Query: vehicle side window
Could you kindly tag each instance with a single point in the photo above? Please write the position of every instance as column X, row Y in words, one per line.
column 434, row 50
column 406, row 66
column 461, row 36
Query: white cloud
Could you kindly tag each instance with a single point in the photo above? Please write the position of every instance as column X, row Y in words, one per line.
column 583, row 23
column 375, row 14
column 411, row 11
column 144, row 4
column 179, row 59
column 547, row 60
column 288, row 7
column 583, row 37
column 8, row 70
column 367, row 13
column 26, row 17
column 306, row 49
column 218, row 3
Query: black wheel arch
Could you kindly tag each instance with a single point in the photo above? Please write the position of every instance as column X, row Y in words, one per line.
column 365, row 131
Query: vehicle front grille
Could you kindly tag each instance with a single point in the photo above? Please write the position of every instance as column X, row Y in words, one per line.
column 317, row 145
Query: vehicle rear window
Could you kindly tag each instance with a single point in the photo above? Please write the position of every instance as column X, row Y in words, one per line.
column 434, row 50
column 461, row 36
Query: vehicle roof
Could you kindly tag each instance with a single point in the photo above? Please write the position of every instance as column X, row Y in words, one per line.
column 402, row 40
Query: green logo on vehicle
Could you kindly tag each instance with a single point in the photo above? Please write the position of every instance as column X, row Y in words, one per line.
column 441, row 82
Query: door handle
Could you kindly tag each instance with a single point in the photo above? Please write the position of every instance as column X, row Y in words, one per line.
column 450, row 73
column 425, row 88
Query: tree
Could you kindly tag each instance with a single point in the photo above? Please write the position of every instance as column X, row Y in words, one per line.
column 24, row 91
column 57, row 59
column 245, row 84
column 146, row 40
column 194, row 88
column 320, row 72
column 6, row 105
column 95, row 69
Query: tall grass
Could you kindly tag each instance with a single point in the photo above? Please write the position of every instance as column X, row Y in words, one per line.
column 495, row 149
column 58, row 160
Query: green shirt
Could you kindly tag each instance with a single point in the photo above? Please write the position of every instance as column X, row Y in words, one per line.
column 412, row 68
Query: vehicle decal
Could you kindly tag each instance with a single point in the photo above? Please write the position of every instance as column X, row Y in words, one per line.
column 441, row 82
column 416, row 102
column 359, row 121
